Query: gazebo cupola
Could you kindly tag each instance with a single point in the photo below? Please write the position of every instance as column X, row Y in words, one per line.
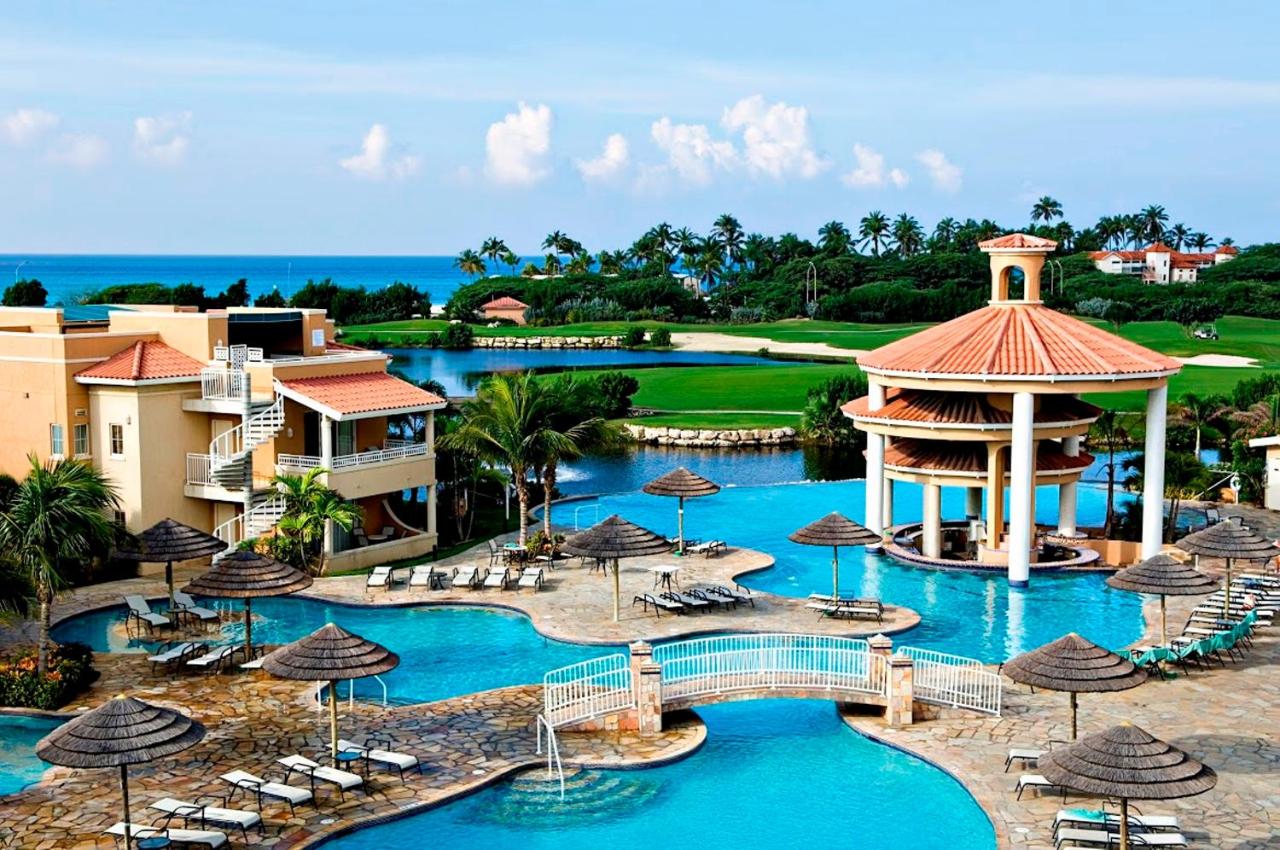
column 990, row 400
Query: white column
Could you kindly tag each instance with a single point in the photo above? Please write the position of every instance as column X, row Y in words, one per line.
column 431, row 508
column 875, row 467
column 326, row 461
column 972, row 503
column 931, row 539
column 1067, row 493
column 431, row 433
column 1153, row 473
column 1021, row 484
column 888, row 502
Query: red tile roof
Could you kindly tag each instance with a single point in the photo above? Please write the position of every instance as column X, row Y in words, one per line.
column 144, row 361
column 1159, row 248
column 942, row 456
column 1018, row 240
column 920, row 407
column 506, row 302
column 1017, row 341
column 367, row 392
column 1227, row 249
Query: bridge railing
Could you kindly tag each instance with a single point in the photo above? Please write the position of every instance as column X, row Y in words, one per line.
column 587, row 690
column 719, row 665
column 953, row 680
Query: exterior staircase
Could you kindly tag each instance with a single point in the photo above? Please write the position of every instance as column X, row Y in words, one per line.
column 231, row 453
column 268, row 508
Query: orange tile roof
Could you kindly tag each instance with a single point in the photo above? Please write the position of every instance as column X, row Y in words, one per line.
column 1017, row 240
column 922, row 407
column 1159, row 248
column 144, row 361
column 506, row 302
column 1227, row 249
column 1017, row 341
column 942, row 456
column 366, row 392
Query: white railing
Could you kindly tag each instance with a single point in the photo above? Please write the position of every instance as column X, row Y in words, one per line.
column 719, row 665
column 224, row 384
column 257, row 521
column 953, row 680
column 587, row 690
column 288, row 461
column 553, row 751
column 394, row 450
column 198, row 469
column 594, row 507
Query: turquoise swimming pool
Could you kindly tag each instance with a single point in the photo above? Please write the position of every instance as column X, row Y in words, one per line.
column 19, row 766
column 775, row 774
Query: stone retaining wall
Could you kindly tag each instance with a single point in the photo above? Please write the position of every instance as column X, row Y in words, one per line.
column 726, row 438
column 547, row 342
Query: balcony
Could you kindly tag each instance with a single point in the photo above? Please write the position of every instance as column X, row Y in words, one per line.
column 398, row 465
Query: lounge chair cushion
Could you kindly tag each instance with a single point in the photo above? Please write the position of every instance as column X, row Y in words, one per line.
column 249, row 782
column 206, row 837
column 214, row 814
column 404, row 761
column 344, row 779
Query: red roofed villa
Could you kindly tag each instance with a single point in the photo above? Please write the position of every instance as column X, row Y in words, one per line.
column 505, row 307
column 991, row 400
column 1158, row 263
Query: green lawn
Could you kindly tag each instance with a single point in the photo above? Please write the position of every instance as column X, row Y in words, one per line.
column 1256, row 338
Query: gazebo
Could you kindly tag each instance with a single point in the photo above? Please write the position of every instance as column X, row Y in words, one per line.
column 612, row 539
column 1163, row 576
column 1231, row 542
column 682, row 484
column 991, row 400
column 168, row 541
column 834, row 530
column 247, row 575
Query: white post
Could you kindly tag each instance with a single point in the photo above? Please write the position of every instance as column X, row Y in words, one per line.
column 888, row 502
column 932, row 536
column 875, row 467
column 972, row 503
column 1067, row 493
column 1153, row 473
column 1022, row 472
column 326, row 461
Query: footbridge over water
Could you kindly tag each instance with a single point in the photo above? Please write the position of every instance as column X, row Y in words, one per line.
column 632, row 690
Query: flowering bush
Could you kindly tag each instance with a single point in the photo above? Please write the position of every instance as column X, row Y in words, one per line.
column 70, row 671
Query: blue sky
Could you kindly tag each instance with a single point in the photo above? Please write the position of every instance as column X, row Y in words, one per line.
column 414, row 128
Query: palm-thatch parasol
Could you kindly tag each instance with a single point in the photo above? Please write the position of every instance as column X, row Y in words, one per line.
column 118, row 733
column 1231, row 542
column 614, row 538
column 682, row 484
column 1126, row 762
column 330, row 654
column 247, row 575
column 1163, row 575
column 1074, row 665
column 168, row 541
column 834, row 530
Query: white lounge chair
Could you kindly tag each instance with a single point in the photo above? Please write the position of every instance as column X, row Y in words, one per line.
column 1022, row 755
column 242, row 780
column 498, row 579
column 201, row 837
column 1039, row 783
column 213, row 659
column 206, row 815
column 1104, row 838
column 534, row 578
column 173, row 652
column 188, row 608
column 379, row 577
column 466, row 577
column 425, row 575
column 707, row 549
column 1099, row 817
column 139, row 610
column 371, row 752
column 343, row 780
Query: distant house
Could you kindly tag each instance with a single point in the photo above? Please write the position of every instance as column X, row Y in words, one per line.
column 1158, row 263
column 1271, row 493
column 505, row 307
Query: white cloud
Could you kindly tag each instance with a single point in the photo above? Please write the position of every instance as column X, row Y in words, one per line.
column 162, row 139
column 375, row 162
column 27, row 125
column 79, row 151
column 869, row 170
column 775, row 138
column 691, row 152
column 516, row 147
column 612, row 160
column 945, row 174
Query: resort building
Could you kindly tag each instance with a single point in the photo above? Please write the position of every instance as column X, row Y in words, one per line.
column 1271, row 488
column 506, row 307
column 191, row 415
column 1158, row 263
column 990, row 401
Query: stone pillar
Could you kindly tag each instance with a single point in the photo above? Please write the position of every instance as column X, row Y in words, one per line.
column 995, row 495
column 646, row 683
column 1067, row 493
column 874, row 519
column 900, row 710
column 931, row 538
column 1153, row 472
column 880, row 645
column 1022, row 472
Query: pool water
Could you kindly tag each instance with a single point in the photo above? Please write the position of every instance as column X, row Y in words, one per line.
column 19, row 766
column 773, row 774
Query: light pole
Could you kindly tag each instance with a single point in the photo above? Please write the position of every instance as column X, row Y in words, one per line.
column 16, row 268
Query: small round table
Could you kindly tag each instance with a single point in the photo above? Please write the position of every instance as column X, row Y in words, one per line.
column 347, row 757
column 153, row 842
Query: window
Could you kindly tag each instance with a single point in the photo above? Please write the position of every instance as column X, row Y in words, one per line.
column 57, row 445
column 119, row 517
column 80, row 439
column 117, row 441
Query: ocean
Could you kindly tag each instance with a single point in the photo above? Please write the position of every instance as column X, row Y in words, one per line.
column 68, row 276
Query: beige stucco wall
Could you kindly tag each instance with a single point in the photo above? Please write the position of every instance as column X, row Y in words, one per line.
column 381, row 478
column 194, row 334
column 514, row 314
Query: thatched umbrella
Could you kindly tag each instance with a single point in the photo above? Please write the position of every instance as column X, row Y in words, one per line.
column 168, row 541
column 614, row 538
column 247, row 575
column 1231, row 542
column 834, row 530
column 1126, row 762
column 1162, row 575
column 118, row 733
column 682, row 484
column 330, row 654
column 1074, row 665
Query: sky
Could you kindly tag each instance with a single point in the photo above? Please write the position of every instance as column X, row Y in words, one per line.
column 423, row 128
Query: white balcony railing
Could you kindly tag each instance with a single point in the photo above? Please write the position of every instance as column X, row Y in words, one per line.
column 393, row 450
column 224, row 384
column 198, row 469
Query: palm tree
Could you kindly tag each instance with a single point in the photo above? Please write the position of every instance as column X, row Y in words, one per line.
column 1177, row 236
column 908, row 235
column 1260, row 419
column 494, row 248
column 874, row 229
column 579, row 264
column 470, row 263
column 510, row 259
column 551, row 265
column 1110, row 433
column 508, row 422
column 1151, row 222
column 686, row 244
column 611, row 262
column 310, row 505
column 569, row 414
column 1198, row 413
column 834, row 238
column 758, row 251
column 944, row 233
column 1199, row 240
column 729, row 232
column 708, row 263
column 1185, row 477
column 1046, row 209
column 1227, row 242
column 58, row 514
column 555, row 241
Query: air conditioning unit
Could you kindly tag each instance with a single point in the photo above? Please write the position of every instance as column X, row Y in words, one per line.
column 81, row 412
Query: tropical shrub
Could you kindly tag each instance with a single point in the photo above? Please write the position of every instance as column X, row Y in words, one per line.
column 26, row 293
column 823, row 419
column 634, row 337
column 660, row 338
column 23, row 686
